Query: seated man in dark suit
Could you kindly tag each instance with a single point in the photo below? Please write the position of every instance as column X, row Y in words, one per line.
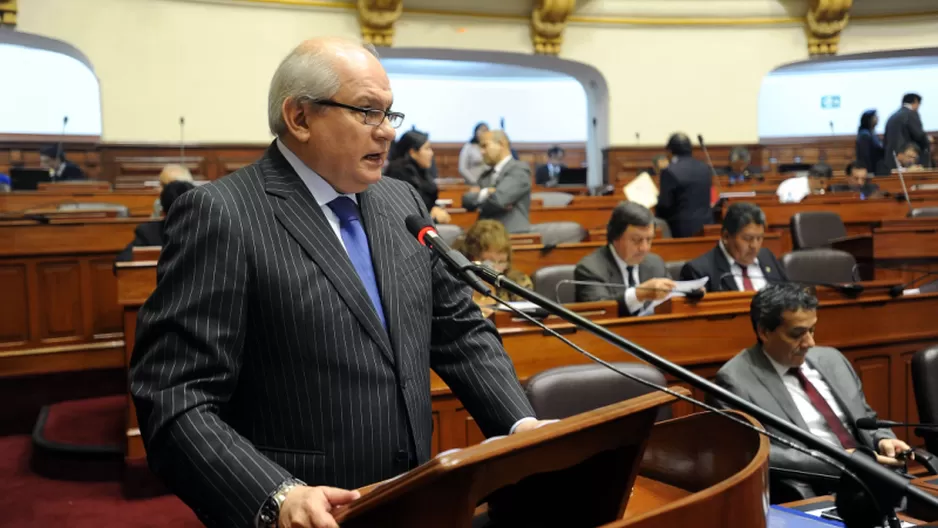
column 548, row 173
column 684, row 199
column 812, row 386
column 53, row 158
column 738, row 262
column 626, row 263
column 151, row 233
column 857, row 181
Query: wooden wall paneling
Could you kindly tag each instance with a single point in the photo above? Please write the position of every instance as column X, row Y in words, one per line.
column 60, row 301
column 875, row 373
column 105, row 312
column 907, row 395
column 14, row 310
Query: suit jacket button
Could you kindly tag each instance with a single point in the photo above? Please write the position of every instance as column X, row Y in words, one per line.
column 400, row 457
column 404, row 382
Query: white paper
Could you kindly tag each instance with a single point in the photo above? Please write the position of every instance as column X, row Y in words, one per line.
column 524, row 306
column 681, row 289
column 642, row 190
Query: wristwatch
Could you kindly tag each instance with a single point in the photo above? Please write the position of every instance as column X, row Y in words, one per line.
column 270, row 510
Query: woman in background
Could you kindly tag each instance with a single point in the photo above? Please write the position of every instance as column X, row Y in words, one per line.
column 471, row 164
column 869, row 150
column 411, row 158
column 488, row 242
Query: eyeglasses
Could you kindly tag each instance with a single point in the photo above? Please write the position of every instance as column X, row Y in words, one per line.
column 373, row 116
column 496, row 265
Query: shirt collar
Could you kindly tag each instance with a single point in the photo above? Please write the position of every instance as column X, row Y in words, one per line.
column 730, row 258
column 781, row 369
column 623, row 265
column 323, row 192
column 501, row 164
column 907, row 105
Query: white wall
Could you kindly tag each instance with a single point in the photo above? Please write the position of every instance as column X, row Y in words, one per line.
column 40, row 87
column 790, row 103
column 535, row 110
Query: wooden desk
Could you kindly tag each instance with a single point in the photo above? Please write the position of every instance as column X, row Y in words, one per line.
column 530, row 258
column 586, row 215
column 900, row 253
column 139, row 203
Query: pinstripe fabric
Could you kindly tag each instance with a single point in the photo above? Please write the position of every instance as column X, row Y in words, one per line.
column 259, row 354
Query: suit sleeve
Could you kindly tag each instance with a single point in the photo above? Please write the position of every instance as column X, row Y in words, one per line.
column 780, row 456
column 466, row 352
column 668, row 185
column 879, row 434
column 865, row 152
column 917, row 131
column 185, row 366
column 689, row 272
column 509, row 188
column 590, row 293
column 541, row 175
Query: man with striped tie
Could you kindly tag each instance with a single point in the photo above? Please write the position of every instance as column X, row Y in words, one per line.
column 285, row 354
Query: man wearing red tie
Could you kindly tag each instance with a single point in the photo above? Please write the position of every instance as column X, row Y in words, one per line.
column 814, row 387
column 738, row 262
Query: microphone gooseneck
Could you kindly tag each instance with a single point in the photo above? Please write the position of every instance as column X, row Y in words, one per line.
column 426, row 234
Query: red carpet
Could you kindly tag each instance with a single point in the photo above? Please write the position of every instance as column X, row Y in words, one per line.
column 97, row 422
column 28, row 500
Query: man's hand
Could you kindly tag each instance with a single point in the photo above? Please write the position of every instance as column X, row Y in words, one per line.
column 311, row 507
column 475, row 188
column 439, row 215
column 530, row 425
column 654, row 289
column 888, row 448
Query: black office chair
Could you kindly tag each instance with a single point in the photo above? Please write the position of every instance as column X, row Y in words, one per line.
column 925, row 383
column 674, row 268
column 553, row 233
column 566, row 391
column 547, row 278
column 820, row 265
column 922, row 212
column 816, row 229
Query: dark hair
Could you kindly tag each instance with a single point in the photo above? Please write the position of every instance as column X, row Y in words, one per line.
column 866, row 121
column 679, row 144
column 52, row 151
column 475, row 131
column 908, row 146
column 740, row 214
column 173, row 190
column 411, row 140
column 853, row 165
column 555, row 150
column 624, row 215
column 820, row 170
column 774, row 300
column 911, row 98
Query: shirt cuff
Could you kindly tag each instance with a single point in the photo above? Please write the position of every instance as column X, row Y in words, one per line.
column 519, row 422
column 483, row 194
column 631, row 301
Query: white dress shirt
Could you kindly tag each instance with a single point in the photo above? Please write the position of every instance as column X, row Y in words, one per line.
column 632, row 303
column 793, row 190
column 817, row 425
column 484, row 193
column 754, row 271
column 323, row 192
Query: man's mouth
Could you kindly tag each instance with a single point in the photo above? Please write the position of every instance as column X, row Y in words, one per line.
column 375, row 157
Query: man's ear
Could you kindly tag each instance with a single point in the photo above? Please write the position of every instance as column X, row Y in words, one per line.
column 296, row 116
column 762, row 333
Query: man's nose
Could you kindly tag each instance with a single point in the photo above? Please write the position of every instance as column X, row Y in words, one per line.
column 808, row 340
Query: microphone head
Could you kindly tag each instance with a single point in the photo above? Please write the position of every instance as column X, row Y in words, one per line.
column 64, row 120
column 419, row 227
column 866, row 423
column 182, row 120
column 896, row 291
column 700, row 139
column 852, row 289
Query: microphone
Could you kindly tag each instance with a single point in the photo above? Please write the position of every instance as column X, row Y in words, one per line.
column 848, row 290
column 869, row 424
column 182, row 141
column 901, row 172
column 899, row 289
column 831, row 123
column 60, row 148
column 638, row 138
column 713, row 170
column 426, row 234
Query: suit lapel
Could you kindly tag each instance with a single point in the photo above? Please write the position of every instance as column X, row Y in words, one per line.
column 773, row 383
column 769, row 266
column 831, row 378
column 298, row 212
column 726, row 281
column 384, row 258
column 613, row 271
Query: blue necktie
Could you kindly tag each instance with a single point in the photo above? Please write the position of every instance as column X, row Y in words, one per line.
column 356, row 244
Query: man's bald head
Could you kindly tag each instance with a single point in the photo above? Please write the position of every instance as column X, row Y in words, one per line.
column 495, row 146
column 173, row 172
column 314, row 70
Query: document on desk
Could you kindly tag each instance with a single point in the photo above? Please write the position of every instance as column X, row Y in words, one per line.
column 681, row 289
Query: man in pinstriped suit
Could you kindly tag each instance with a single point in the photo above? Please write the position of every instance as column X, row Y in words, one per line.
column 288, row 344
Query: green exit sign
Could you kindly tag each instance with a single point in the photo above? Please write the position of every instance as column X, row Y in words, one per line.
column 830, row 101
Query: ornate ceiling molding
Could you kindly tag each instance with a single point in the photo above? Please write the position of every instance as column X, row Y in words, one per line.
column 377, row 18
column 548, row 20
column 8, row 12
column 825, row 20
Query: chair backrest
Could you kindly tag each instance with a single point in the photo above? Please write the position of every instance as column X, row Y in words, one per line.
column 553, row 233
column 449, row 233
column 922, row 212
column 674, row 268
column 820, row 265
column 816, row 229
column 925, row 384
column 924, row 187
column 122, row 210
column 553, row 199
column 662, row 224
column 566, row 391
column 546, row 280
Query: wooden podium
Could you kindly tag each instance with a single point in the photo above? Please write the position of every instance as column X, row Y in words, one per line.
column 611, row 467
